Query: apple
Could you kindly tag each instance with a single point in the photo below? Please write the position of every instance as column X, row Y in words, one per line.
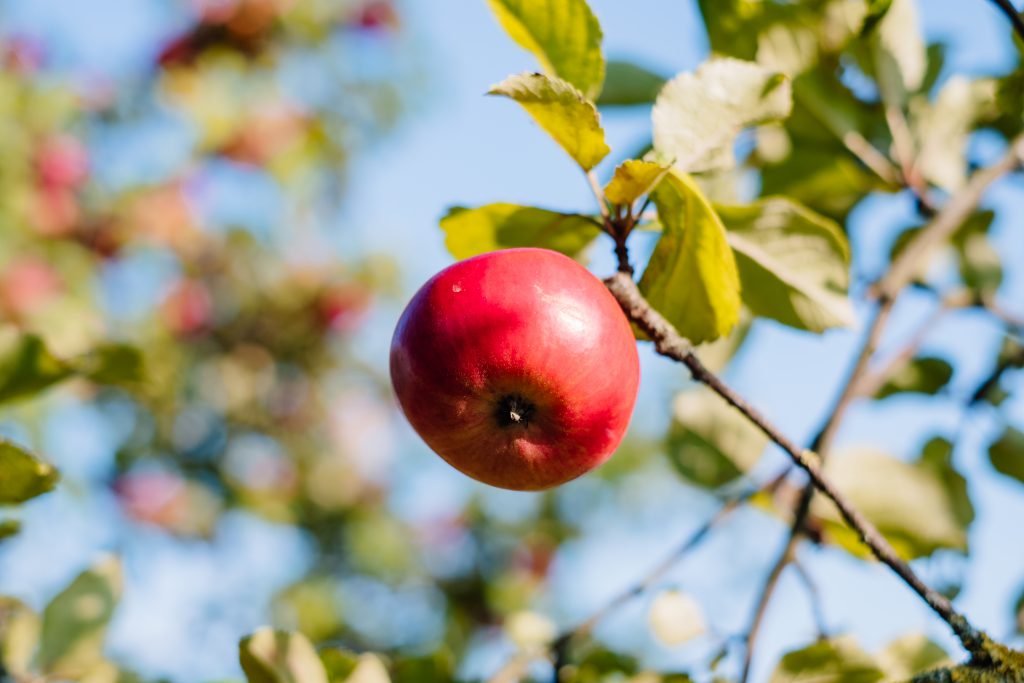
column 517, row 367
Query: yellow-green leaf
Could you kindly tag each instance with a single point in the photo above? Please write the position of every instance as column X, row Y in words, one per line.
column 75, row 622
column 901, row 58
column 633, row 179
column 1007, row 454
column 699, row 114
column 794, row 263
column 26, row 366
column 836, row 659
column 469, row 232
column 269, row 656
column 23, row 475
column 562, row 111
column 691, row 278
column 563, row 35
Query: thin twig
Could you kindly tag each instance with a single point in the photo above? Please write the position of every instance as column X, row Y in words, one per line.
column 871, row 382
column 766, row 592
column 813, row 594
column 669, row 343
column 1013, row 15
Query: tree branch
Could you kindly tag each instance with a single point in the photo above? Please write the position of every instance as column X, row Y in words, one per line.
column 1013, row 15
column 669, row 343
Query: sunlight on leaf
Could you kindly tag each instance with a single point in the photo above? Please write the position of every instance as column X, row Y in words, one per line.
column 469, row 232
column 269, row 656
column 633, row 179
column 22, row 475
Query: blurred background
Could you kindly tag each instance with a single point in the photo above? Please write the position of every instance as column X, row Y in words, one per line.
column 247, row 192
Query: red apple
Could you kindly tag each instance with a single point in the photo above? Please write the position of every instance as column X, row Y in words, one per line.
column 517, row 367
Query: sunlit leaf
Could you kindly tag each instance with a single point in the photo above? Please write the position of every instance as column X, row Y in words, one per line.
column 563, row 35
column 75, row 622
column 942, row 128
column 628, row 84
column 23, row 475
column 19, row 636
column 1007, row 453
column 910, row 655
column 836, row 659
column 269, row 656
column 530, row 630
column 709, row 442
column 562, row 111
column 633, row 179
column 469, row 232
column 915, row 505
column 793, row 263
column 698, row 114
column 369, row 669
column 899, row 52
column 676, row 618
column 691, row 278
column 922, row 375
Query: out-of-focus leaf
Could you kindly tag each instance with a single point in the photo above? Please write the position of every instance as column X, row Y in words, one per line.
column 838, row 659
column 794, row 264
column 827, row 181
column 698, row 115
column 676, row 618
column 338, row 664
column 910, row 655
column 789, row 48
column 437, row 667
column 981, row 268
column 75, row 622
column 633, row 179
column 597, row 664
column 9, row 527
column 628, row 84
column 716, row 355
column 117, row 364
column 369, row 669
column 915, row 505
column 530, row 630
column 269, row 656
column 710, row 443
column 26, row 366
column 942, row 127
column 922, row 375
column 23, row 475
column 19, row 636
column 937, row 456
column 469, row 232
column 1007, row 453
column 691, row 278
column 899, row 52
column 563, row 35
column 562, row 111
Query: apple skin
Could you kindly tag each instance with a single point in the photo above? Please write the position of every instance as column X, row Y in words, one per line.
column 517, row 367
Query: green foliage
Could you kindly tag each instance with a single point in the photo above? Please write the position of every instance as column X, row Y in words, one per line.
column 691, row 278
column 23, row 476
column 633, row 179
column 710, row 443
column 920, row 507
column 922, row 375
column 269, row 656
column 838, row 659
column 627, row 84
column 27, row 367
column 469, row 232
column 698, row 115
column 75, row 622
column 911, row 655
column 898, row 49
column 563, row 35
column 561, row 110
column 794, row 264
column 1007, row 453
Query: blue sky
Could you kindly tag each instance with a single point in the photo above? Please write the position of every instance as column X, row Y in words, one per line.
column 459, row 147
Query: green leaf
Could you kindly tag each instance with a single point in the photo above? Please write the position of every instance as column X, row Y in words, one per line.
column 75, row 622
column 116, row 364
column 837, row 659
column 22, row 475
column 8, row 528
column 1007, row 453
column 563, row 35
column 26, row 366
column 922, row 375
column 794, row 264
column 633, row 179
column 19, row 637
column 269, row 656
column 469, row 232
column 910, row 655
column 436, row 667
column 562, row 111
column 937, row 456
column 628, row 84
column 915, row 505
column 899, row 52
column 709, row 442
column 942, row 127
column 980, row 266
column 699, row 114
column 691, row 278
column 369, row 669
column 338, row 664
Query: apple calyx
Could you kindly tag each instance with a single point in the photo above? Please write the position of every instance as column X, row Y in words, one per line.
column 514, row 410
